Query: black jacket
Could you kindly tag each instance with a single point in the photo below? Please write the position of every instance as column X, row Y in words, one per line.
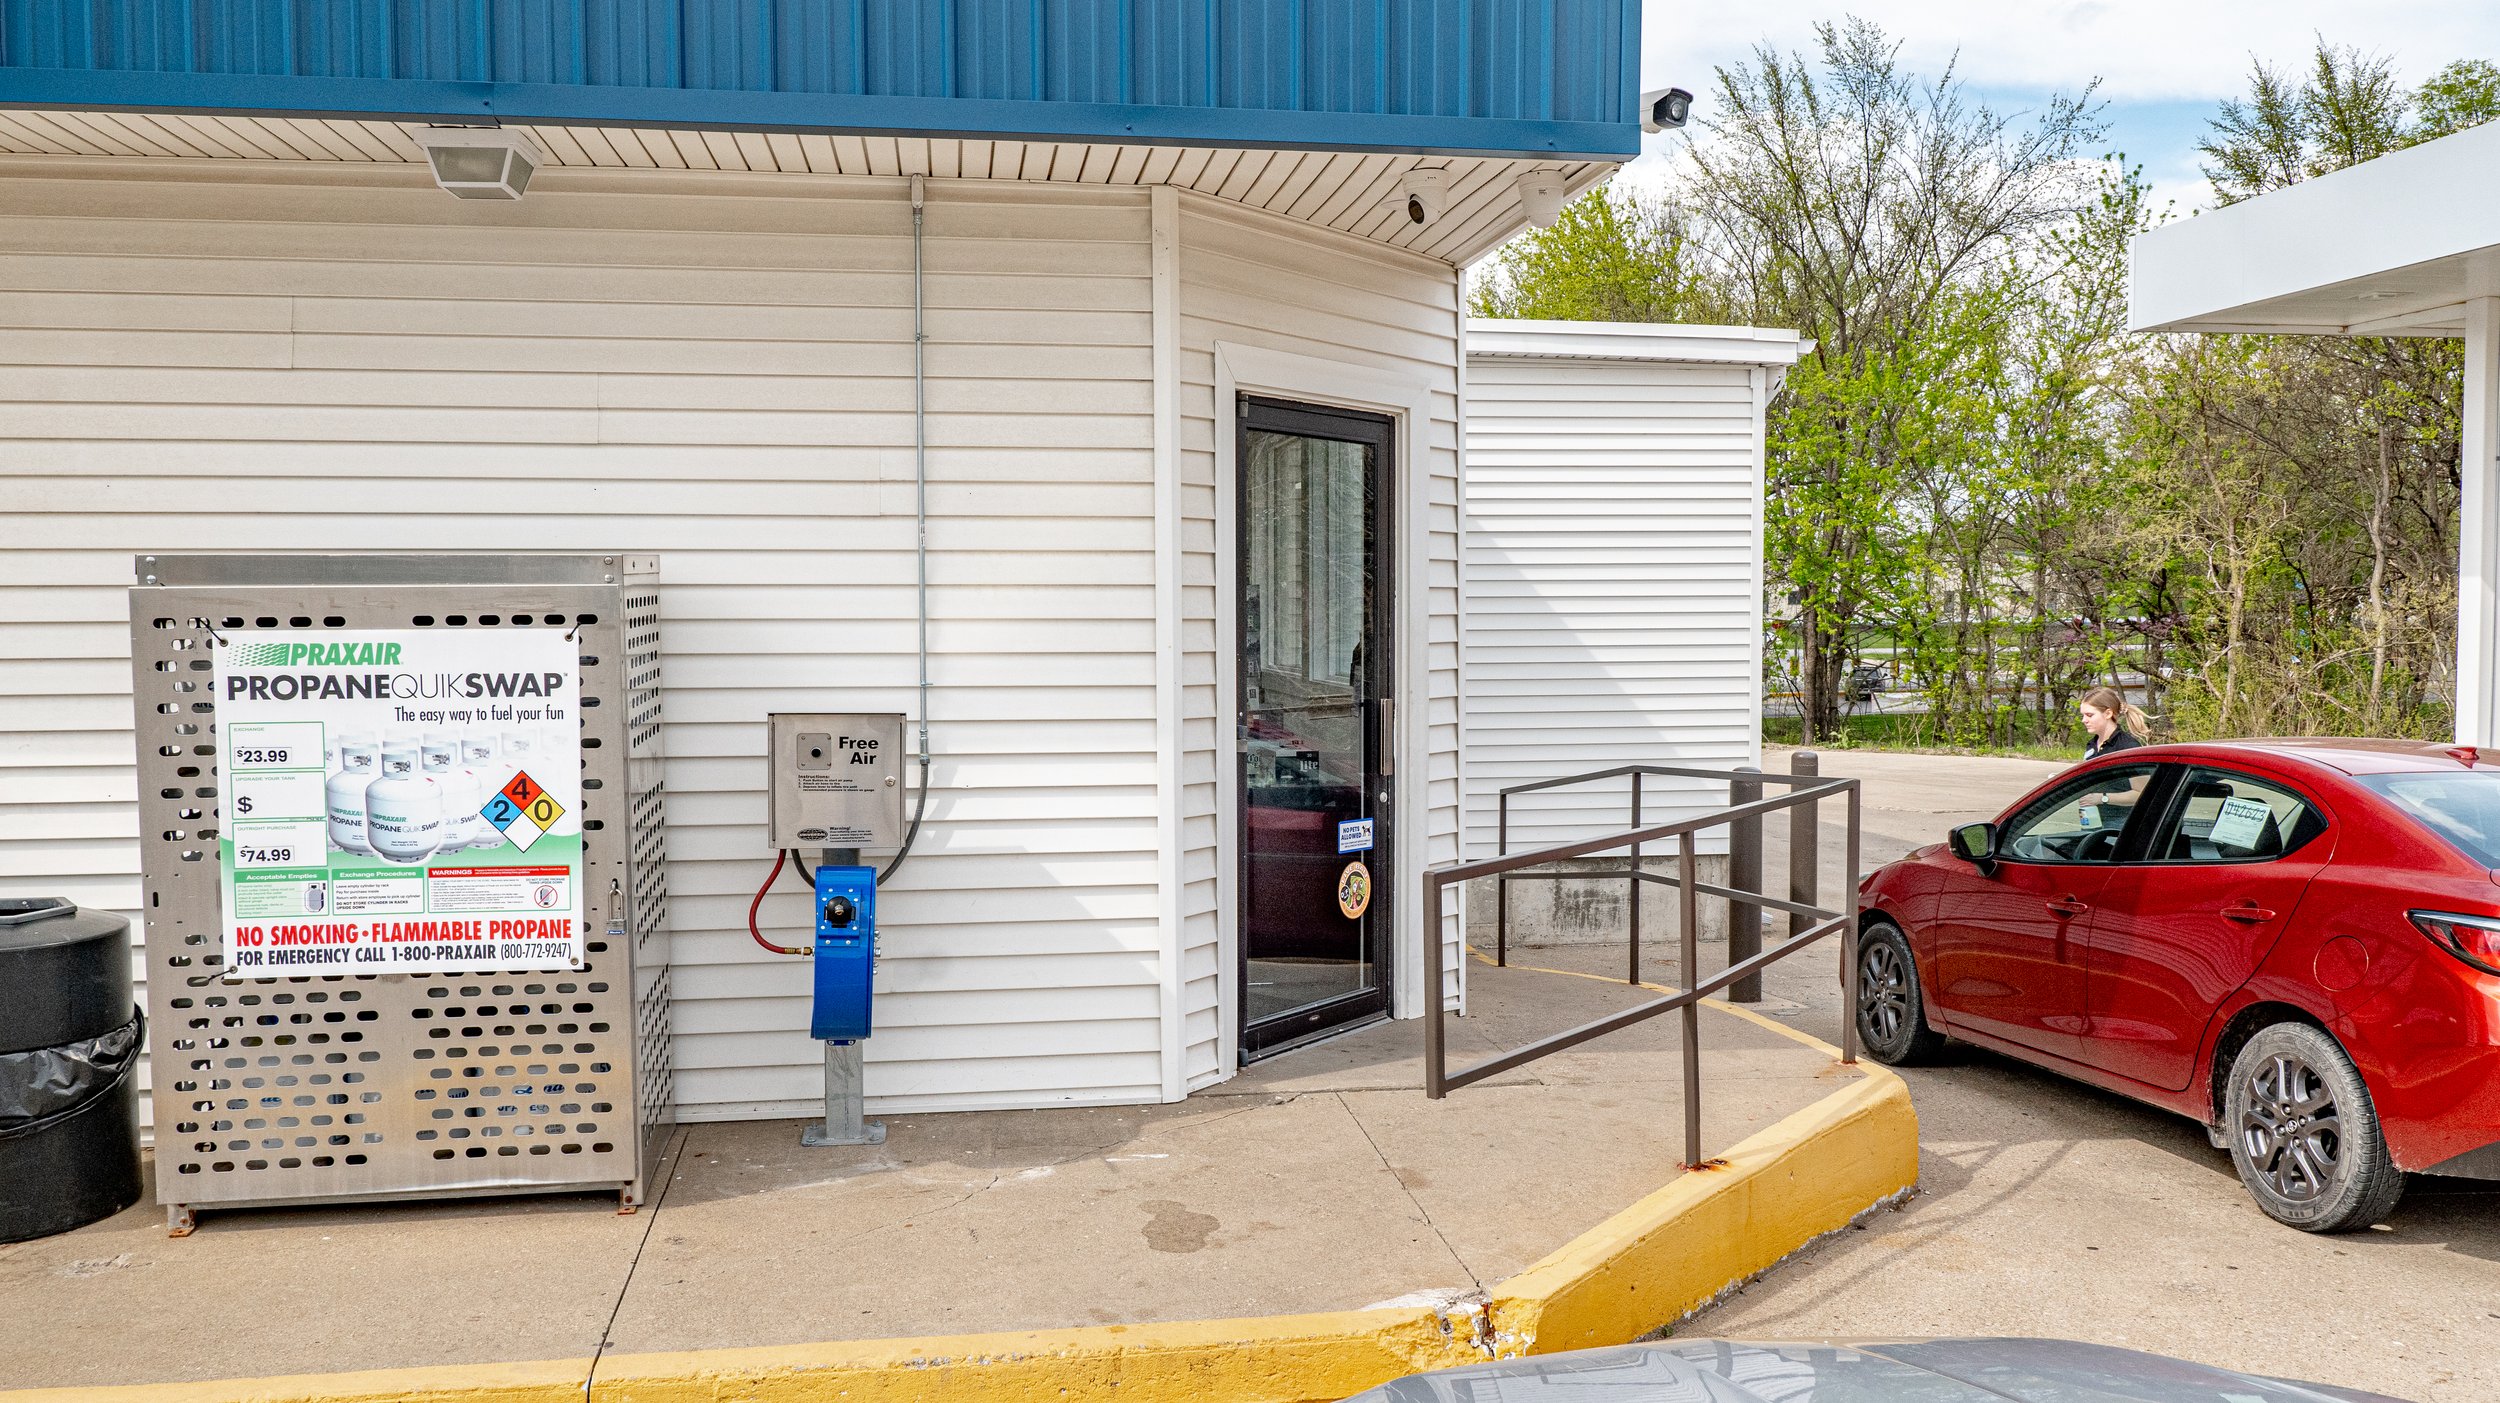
column 2120, row 739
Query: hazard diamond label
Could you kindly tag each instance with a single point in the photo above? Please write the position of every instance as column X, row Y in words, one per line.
column 523, row 811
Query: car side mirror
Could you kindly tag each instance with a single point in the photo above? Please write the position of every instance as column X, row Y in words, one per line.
column 1975, row 843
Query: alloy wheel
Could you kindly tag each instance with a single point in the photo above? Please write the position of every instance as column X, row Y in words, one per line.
column 2290, row 1129
column 1883, row 992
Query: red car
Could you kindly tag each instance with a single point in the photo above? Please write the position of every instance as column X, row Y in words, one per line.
column 2295, row 942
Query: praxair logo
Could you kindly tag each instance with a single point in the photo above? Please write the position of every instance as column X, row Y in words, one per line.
column 313, row 654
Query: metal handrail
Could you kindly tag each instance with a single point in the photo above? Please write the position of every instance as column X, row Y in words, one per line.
column 1806, row 790
column 1748, row 837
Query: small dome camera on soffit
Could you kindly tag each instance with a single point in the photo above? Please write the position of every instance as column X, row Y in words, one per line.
column 1421, row 194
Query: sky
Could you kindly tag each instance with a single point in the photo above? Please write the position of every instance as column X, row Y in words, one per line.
column 2164, row 65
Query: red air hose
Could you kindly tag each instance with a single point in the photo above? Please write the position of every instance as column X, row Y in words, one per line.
column 758, row 904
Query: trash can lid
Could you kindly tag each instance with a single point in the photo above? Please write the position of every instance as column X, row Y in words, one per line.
column 18, row 910
column 39, row 922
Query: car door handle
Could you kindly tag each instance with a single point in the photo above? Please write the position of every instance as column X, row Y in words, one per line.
column 2069, row 906
column 2248, row 911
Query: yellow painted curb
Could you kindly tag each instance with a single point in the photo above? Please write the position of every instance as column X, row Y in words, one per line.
column 1779, row 1189
column 545, row 1381
column 1804, row 1176
column 1276, row 1359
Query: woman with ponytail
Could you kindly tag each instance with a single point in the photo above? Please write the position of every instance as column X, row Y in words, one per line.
column 2114, row 722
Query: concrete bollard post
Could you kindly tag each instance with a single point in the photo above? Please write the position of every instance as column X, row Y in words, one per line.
column 1744, row 873
column 1803, row 841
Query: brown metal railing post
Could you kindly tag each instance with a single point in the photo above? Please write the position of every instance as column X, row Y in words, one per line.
column 1501, row 890
column 1690, row 906
column 1849, row 944
column 1434, row 1070
column 1804, row 846
column 1633, row 974
column 1744, row 873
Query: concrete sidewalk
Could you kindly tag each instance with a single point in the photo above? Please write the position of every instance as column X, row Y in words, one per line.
column 1321, row 1180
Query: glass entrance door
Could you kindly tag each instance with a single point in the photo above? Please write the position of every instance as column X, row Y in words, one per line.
column 1315, row 608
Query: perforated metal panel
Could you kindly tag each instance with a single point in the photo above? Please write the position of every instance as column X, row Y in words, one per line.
column 340, row 1087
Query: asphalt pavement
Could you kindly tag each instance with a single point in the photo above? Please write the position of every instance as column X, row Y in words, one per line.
column 2049, row 1208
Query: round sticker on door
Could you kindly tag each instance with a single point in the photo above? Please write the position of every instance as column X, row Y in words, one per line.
column 1354, row 890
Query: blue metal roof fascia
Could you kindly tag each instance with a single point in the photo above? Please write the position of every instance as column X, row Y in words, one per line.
column 417, row 100
column 1532, row 78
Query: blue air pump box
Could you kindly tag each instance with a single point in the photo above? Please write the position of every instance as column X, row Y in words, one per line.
column 846, row 952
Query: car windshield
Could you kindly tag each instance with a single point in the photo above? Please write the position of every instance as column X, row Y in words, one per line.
column 2462, row 806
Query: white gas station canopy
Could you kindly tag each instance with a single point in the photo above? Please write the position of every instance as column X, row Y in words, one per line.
column 2391, row 247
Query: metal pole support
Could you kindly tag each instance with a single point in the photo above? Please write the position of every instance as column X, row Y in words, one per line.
column 846, row 1074
column 1501, row 887
column 846, row 1101
column 1849, row 942
column 1804, row 842
column 1689, row 904
column 1436, row 1060
column 1632, row 975
column 1744, row 873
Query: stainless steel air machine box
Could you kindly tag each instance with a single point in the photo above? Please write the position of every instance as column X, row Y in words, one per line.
column 406, row 905
column 837, row 779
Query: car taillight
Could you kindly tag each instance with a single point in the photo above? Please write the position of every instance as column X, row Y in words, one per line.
column 2473, row 939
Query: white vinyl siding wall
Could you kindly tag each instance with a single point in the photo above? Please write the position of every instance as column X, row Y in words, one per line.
column 1613, row 581
column 715, row 368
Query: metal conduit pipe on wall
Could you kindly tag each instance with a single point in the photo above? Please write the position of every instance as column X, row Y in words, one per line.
column 920, row 486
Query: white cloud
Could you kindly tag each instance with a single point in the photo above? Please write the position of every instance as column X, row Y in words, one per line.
column 2142, row 50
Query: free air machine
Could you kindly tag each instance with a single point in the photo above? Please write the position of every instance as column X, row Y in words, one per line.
column 837, row 788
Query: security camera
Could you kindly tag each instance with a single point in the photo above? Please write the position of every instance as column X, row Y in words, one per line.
column 1421, row 194
column 1541, row 197
column 1665, row 109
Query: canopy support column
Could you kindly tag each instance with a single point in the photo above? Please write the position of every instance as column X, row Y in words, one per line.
column 2478, row 534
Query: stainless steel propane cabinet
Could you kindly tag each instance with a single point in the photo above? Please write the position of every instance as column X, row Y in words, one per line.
column 406, row 905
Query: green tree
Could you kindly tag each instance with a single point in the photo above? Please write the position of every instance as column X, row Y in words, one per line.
column 2464, row 94
column 1612, row 256
column 2306, row 487
column 2349, row 108
column 1861, row 204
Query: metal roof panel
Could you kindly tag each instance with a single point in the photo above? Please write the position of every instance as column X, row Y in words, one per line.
column 1545, row 78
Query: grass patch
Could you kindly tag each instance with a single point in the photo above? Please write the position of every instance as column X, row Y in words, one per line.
column 1914, row 734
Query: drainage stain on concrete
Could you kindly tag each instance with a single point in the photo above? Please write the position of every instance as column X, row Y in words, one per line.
column 1173, row 1228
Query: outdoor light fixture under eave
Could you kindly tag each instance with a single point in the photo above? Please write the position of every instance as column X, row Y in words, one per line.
column 481, row 163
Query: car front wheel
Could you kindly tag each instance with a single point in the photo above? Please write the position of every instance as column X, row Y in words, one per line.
column 2303, row 1134
column 1892, row 1019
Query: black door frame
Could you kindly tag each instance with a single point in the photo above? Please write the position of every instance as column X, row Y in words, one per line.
column 1380, row 668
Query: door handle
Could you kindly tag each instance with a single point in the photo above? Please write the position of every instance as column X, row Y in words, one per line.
column 1388, row 737
column 2068, row 906
column 2247, row 911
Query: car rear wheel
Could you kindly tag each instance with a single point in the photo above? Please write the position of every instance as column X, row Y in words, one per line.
column 2303, row 1134
column 1892, row 1019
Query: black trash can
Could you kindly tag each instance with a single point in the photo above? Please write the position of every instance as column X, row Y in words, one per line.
column 69, row 1068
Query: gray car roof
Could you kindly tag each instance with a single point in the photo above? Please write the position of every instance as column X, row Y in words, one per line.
column 1994, row 1370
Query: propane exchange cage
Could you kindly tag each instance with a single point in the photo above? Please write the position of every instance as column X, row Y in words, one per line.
column 331, row 1088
